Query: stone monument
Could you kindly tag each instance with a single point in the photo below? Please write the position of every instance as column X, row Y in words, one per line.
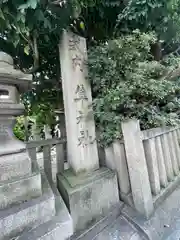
column 29, row 208
column 89, row 191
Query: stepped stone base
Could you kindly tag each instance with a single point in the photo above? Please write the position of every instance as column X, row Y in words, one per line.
column 28, row 214
column 27, row 201
column 60, row 227
column 14, row 165
column 88, row 196
column 37, row 218
column 20, row 190
column 127, row 224
column 11, row 146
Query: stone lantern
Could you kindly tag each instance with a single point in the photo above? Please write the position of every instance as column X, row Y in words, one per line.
column 27, row 201
column 12, row 83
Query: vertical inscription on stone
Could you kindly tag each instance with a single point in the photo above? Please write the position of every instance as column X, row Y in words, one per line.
column 80, row 126
column 82, row 112
column 74, row 42
column 77, row 55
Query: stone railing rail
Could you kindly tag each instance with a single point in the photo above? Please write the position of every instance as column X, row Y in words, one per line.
column 147, row 164
column 162, row 152
column 46, row 146
column 155, row 132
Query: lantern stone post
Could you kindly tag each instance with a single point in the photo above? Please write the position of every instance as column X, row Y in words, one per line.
column 12, row 83
column 89, row 191
column 30, row 208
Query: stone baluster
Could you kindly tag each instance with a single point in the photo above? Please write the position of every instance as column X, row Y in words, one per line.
column 178, row 135
column 109, row 158
column 176, row 145
column 151, row 159
column 167, row 157
column 173, row 154
column 161, row 164
column 122, row 169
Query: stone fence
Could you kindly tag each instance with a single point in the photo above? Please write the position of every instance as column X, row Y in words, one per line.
column 52, row 157
column 147, row 165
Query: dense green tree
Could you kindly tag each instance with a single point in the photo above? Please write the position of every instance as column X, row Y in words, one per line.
column 128, row 83
column 31, row 31
column 160, row 16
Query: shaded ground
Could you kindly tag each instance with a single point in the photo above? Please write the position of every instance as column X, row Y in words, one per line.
column 119, row 230
column 123, row 223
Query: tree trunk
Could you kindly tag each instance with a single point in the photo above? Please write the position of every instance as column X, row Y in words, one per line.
column 156, row 50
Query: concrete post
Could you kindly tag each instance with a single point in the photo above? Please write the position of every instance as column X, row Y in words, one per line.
column 137, row 167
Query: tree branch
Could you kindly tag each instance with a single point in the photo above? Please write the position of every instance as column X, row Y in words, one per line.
column 35, row 55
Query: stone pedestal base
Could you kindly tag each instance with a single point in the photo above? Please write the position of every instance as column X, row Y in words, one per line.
column 88, row 196
column 14, row 165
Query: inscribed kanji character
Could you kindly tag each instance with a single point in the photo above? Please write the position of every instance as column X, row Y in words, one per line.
column 80, row 93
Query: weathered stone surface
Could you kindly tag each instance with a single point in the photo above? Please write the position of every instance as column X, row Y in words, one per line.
column 11, row 93
column 88, row 197
column 161, row 164
column 151, row 160
column 80, row 126
column 121, row 229
column 60, row 227
column 20, row 190
column 137, row 167
column 174, row 159
column 163, row 222
column 26, row 200
column 14, row 165
column 121, row 168
column 100, row 225
column 27, row 215
column 109, row 158
column 167, row 157
column 11, row 76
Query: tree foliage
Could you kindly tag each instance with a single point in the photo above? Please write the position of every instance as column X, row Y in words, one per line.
column 30, row 32
column 131, row 75
column 160, row 16
column 128, row 83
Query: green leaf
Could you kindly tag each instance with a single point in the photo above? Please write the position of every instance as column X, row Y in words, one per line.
column 33, row 3
column 30, row 4
column 16, row 41
column 27, row 49
column 2, row 15
column 22, row 7
column 39, row 15
column 47, row 23
column 82, row 26
column 21, row 17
